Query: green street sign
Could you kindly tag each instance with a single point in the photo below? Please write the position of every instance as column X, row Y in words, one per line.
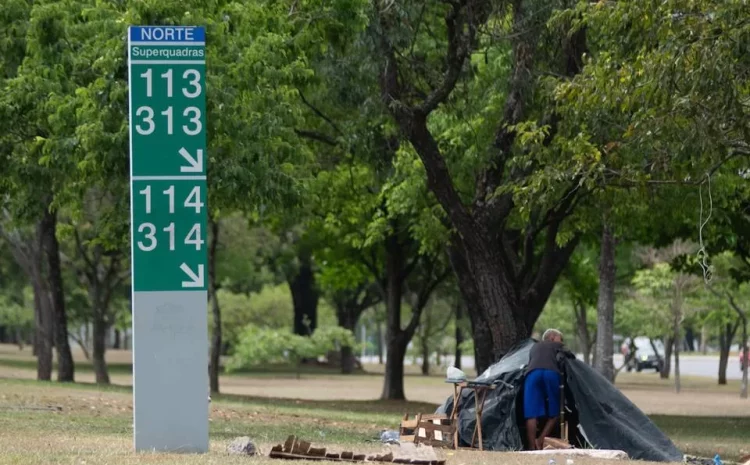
column 168, row 165
column 167, row 81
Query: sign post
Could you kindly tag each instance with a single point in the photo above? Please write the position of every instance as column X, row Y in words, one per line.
column 167, row 91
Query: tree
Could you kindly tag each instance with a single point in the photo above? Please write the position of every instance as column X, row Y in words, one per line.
column 430, row 337
column 663, row 283
column 510, row 243
column 728, row 289
column 579, row 283
column 35, row 109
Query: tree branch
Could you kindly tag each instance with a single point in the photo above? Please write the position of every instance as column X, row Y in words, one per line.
column 319, row 113
column 317, row 136
column 413, row 123
column 82, row 252
column 458, row 50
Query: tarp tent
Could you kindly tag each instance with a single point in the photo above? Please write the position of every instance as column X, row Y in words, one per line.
column 598, row 415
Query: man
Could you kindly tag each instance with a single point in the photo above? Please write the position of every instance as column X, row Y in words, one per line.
column 542, row 381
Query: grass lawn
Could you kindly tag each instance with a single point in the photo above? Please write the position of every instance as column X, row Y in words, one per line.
column 87, row 424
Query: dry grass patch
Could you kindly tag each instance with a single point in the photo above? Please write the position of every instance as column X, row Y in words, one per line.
column 75, row 424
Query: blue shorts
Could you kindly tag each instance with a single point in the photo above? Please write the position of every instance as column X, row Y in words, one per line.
column 541, row 384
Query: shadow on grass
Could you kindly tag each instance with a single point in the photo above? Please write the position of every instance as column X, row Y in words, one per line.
column 395, row 407
column 275, row 370
column 701, row 427
column 86, row 367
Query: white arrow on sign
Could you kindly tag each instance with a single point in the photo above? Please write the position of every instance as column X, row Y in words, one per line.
column 196, row 164
column 197, row 279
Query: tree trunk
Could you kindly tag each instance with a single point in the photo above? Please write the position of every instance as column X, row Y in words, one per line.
column 65, row 365
column 677, row 343
column 117, row 342
column 100, row 339
column 459, row 334
column 214, row 365
column 606, row 305
column 347, row 321
column 380, row 343
column 393, row 387
column 582, row 330
column 704, row 339
column 726, row 335
column 43, row 336
column 485, row 353
column 348, row 317
column 744, row 354
column 425, row 358
column 305, row 297
column 690, row 338
column 667, row 365
column 393, row 384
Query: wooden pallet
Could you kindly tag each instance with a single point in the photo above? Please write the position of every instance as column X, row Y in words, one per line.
column 297, row 449
column 436, row 430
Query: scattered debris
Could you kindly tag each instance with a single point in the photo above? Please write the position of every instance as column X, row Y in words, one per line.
column 242, row 446
column 52, row 408
column 297, row 449
column 693, row 460
column 592, row 453
column 430, row 429
column 389, row 437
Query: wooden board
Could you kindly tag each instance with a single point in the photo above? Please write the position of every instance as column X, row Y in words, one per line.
column 296, row 449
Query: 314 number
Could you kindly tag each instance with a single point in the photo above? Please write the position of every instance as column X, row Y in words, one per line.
column 149, row 241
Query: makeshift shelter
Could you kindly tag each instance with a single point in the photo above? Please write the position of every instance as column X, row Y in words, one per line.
column 598, row 415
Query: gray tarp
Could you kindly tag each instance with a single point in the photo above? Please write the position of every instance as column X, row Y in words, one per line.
column 608, row 419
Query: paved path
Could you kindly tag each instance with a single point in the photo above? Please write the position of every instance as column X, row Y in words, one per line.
column 692, row 365
column 698, row 365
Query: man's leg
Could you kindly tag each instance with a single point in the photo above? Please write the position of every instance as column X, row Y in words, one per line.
column 533, row 405
column 551, row 381
column 531, row 427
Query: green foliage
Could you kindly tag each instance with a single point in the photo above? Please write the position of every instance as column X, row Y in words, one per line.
column 259, row 346
column 14, row 316
column 270, row 308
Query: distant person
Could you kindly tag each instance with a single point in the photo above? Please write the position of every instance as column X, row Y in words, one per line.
column 542, row 381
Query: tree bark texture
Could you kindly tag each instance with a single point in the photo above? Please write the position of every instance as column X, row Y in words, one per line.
column 305, row 297
column 214, row 366
column 426, row 331
column 459, row 334
column 28, row 252
column 99, row 349
column 380, row 343
column 65, row 364
column 44, row 331
column 606, row 305
column 396, row 341
column 582, row 330
column 726, row 336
